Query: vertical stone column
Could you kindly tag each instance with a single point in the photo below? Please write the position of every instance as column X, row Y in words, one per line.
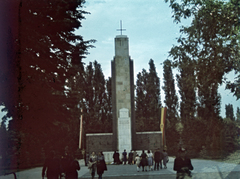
column 122, row 86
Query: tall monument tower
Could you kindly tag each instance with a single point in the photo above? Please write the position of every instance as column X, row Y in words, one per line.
column 123, row 96
column 124, row 134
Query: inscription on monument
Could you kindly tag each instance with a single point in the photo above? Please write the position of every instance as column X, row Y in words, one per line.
column 124, row 130
column 123, row 113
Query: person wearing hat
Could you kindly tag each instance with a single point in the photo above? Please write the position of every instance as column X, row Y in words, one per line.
column 182, row 165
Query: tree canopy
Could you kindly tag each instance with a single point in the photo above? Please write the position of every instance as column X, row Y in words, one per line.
column 47, row 59
column 207, row 50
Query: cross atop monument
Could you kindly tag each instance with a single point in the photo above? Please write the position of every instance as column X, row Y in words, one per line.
column 121, row 29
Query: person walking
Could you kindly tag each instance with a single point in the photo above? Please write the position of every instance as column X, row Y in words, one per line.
column 101, row 165
column 130, row 158
column 87, row 158
column 138, row 160
column 71, row 169
column 124, row 157
column 182, row 165
column 150, row 160
column 92, row 164
column 165, row 158
column 157, row 159
column 84, row 156
column 144, row 161
column 51, row 166
column 115, row 157
column 161, row 158
column 134, row 156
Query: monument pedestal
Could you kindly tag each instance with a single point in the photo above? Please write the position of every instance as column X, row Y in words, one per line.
column 124, row 131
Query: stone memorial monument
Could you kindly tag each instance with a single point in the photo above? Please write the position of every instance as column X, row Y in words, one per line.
column 122, row 92
column 124, row 135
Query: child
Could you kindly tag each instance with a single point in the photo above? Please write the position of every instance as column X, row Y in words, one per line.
column 138, row 160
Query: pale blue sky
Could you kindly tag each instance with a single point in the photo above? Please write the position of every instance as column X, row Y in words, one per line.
column 150, row 30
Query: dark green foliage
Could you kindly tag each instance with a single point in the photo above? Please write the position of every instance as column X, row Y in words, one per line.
column 229, row 112
column 148, row 101
column 108, row 106
column 97, row 100
column 207, row 50
column 187, row 85
column 171, row 101
column 213, row 37
column 140, row 100
column 44, row 102
column 238, row 114
column 235, row 86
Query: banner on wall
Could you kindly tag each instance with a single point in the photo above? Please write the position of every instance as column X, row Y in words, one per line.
column 162, row 124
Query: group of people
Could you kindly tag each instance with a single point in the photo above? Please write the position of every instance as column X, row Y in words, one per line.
column 182, row 164
column 145, row 160
column 96, row 163
column 67, row 166
column 57, row 168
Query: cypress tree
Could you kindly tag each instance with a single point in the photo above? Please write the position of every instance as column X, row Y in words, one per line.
column 171, row 101
column 148, row 100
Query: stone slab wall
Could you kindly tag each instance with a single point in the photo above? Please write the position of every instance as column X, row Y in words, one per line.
column 103, row 141
column 99, row 142
column 148, row 140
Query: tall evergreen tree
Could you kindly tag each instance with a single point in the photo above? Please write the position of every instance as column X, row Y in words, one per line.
column 141, row 103
column 238, row 114
column 187, row 85
column 95, row 99
column 229, row 111
column 108, row 106
column 153, row 97
column 171, row 101
column 148, row 100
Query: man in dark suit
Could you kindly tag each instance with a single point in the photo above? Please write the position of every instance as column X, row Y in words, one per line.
column 157, row 158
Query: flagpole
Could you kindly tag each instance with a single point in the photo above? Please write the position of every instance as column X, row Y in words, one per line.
column 162, row 124
column 80, row 133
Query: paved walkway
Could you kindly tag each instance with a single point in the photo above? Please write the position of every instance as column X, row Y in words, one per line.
column 203, row 169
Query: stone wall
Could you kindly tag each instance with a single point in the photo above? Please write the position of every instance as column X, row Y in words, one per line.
column 148, row 140
column 103, row 141
column 99, row 142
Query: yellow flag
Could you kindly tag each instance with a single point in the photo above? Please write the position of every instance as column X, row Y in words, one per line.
column 162, row 124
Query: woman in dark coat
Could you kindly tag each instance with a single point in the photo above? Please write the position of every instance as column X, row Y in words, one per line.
column 101, row 165
column 71, row 170
column 52, row 165
column 115, row 160
column 144, row 161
